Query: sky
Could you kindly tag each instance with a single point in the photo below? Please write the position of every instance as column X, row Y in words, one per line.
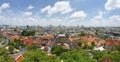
column 60, row 12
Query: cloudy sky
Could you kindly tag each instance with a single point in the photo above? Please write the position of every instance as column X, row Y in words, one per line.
column 60, row 12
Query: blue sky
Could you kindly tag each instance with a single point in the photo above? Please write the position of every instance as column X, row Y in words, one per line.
column 60, row 12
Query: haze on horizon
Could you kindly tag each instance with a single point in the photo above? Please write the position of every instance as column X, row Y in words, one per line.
column 60, row 12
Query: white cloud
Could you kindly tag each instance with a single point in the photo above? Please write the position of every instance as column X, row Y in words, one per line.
column 115, row 17
column 79, row 15
column 30, row 7
column 112, row 4
column 45, row 9
column 27, row 13
column 4, row 6
column 99, row 20
column 59, row 7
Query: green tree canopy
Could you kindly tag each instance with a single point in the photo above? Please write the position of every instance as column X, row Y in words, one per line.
column 115, row 56
column 57, row 50
column 82, row 33
column 38, row 56
column 28, row 32
column 118, row 47
column 4, row 55
column 98, row 55
column 76, row 56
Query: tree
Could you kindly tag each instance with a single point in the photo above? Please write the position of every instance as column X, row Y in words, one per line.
column 98, row 55
column 38, row 56
column 11, row 49
column 33, row 47
column 118, row 47
column 4, row 55
column 85, row 45
column 76, row 56
column 57, row 50
column 79, row 43
column 28, row 32
column 16, row 43
column 115, row 56
column 92, row 45
column 82, row 34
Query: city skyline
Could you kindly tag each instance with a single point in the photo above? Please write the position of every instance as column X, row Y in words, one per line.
column 60, row 12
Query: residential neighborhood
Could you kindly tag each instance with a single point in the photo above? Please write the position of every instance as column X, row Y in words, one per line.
column 18, row 41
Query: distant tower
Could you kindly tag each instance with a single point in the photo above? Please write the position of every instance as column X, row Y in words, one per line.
column 27, row 26
column 82, row 26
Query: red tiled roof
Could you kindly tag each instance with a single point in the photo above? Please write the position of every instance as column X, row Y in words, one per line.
column 5, row 34
column 38, row 41
column 96, row 40
column 48, row 36
column 88, row 39
column 27, row 41
column 15, row 37
column 19, row 58
column 112, row 42
column 75, row 37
